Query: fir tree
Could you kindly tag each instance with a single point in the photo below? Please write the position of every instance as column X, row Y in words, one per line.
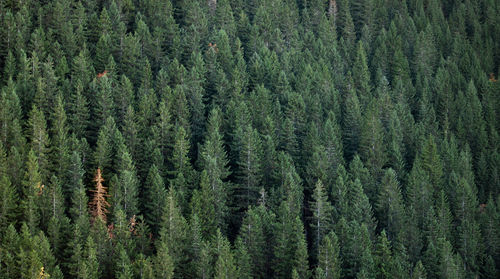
column 99, row 205
column 321, row 211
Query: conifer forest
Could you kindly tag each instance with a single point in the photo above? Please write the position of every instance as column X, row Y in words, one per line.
column 227, row 139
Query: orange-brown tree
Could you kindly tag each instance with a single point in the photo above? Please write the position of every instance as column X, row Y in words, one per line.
column 99, row 205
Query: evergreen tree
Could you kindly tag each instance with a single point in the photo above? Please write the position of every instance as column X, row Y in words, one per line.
column 329, row 262
column 32, row 188
column 183, row 173
column 8, row 202
column 351, row 125
column 249, row 166
column 213, row 159
column 39, row 140
column 225, row 266
column 203, row 205
column 321, row 211
column 252, row 236
column 124, row 193
column 361, row 76
column 60, row 146
column 155, row 198
column 383, row 258
column 371, row 142
column 419, row 271
column 173, row 235
column 90, row 265
column 163, row 264
column 123, row 267
column 242, row 260
column 289, row 245
column 390, row 207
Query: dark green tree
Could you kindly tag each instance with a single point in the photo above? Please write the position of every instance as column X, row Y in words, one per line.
column 213, row 159
column 155, row 199
column 249, row 166
column 321, row 215
column 351, row 125
column 329, row 261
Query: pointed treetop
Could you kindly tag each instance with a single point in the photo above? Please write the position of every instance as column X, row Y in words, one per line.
column 99, row 205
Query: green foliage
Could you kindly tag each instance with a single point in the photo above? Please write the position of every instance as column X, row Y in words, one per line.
column 156, row 197
column 322, row 213
column 250, row 139
column 8, row 202
column 225, row 266
column 329, row 262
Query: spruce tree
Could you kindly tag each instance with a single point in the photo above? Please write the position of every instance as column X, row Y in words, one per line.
column 329, row 262
column 213, row 159
column 252, row 236
column 8, row 202
column 351, row 125
column 225, row 266
column 389, row 206
column 203, row 205
column 249, row 166
column 321, row 215
column 173, row 235
column 155, row 199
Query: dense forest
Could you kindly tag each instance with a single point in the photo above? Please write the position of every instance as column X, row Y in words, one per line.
column 229, row 139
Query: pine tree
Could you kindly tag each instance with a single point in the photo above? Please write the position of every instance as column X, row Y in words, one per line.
column 79, row 200
column 78, row 110
column 125, row 192
column 338, row 193
column 371, row 142
column 249, row 166
column 333, row 146
column 90, row 266
column 99, row 205
column 329, row 260
column 39, row 140
column 163, row 264
column 104, row 154
column 321, row 215
column 195, row 95
column 225, row 266
column 358, row 259
column 252, row 236
column 419, row 271
column 383, row 257
column 351, row 125
column 58, row 223
column 60, row 147
column 360, row 209
column 32, row 188
column 123, row 266
column 10, row 109
column 183, row 173
column 203, row 205
column 290, row 247
column 361, row 76
column 173, row 233
column 390, row 207
column 242, row 258
column 155, row 198
column 8, row 202
column 469, row 237
column 213, row 159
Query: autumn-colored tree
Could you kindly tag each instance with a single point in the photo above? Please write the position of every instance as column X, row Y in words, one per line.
column 99, row 205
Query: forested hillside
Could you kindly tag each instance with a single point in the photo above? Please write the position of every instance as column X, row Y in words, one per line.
column 230, row 139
